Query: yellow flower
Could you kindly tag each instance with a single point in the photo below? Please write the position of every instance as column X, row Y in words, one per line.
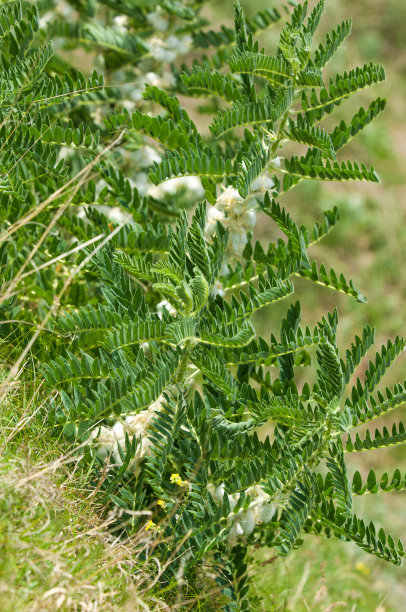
column 176, row 479
column 150, row 525
column 161, row 503
column 362, row 568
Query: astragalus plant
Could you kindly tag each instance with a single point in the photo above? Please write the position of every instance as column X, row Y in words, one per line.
column 164, row 385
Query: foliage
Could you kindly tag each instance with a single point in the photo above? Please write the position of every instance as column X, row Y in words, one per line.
column 157, row 371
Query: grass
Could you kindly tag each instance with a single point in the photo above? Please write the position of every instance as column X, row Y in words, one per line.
column 59, row 549
column 56, row 553
column 327, row 576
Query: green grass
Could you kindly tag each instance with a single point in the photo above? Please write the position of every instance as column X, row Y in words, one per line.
column 54, row 551
column 58, row 549
column 323, row 576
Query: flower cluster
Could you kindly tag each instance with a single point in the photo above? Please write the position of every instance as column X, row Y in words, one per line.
column 176, row 479
column 239, row 216
column 260, row 510
column 192, row 184
column 235, row 213
column 109, row 439
column 151, row 526
column 168, row 49
column 158, row 19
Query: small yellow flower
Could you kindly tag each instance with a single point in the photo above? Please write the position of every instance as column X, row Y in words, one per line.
column 362, row 568
column 176, row 479
column 161, row 503
column 150, row 525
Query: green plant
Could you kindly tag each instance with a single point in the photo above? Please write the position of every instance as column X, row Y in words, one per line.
column 164, row 384
column 171, row 394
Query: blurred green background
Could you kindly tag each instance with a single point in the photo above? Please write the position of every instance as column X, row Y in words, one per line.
column 368, row 246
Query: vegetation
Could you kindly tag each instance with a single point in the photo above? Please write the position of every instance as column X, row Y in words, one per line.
column 199, row 439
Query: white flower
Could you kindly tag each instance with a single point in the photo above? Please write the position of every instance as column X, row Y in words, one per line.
column 167, row 306
column 118, row 430
column 137, row 92
column 260, row 510
column 121, row 21
column 235, row 531
column 219, row 494
column 158, row 20
column 128, row 105
column 65, row 10
column 172, row 41
column 152, row 78
column 232, row 500
column 214, row 214
column 108, row 440
column 160, row 52
column 64, row 153
column 117, row 215
column 180, row 45
column 229, row 198
column 105, row 441
column 141, row 182
column 250, row 218
column 276, row 162
column 224, row 269
column 238, row 240
column 43, row 21
column 184, row 44
column 247, row 521
column 262, row 183
column 255, row 491
column 170, row 187
column 137, row 423
column 218, row 289
column 266, row 512
column 174, row 184
column 194, row 184
column 111, row 438
column 168, row 80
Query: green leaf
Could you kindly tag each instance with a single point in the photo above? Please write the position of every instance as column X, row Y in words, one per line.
column 203, row 80
column 379, row 439
column 333, row 41
column 332, row 280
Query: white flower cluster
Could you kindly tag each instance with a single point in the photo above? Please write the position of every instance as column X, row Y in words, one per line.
column 62, row 10
column 168, row 49
column 238, row 215
column 260, row 510
column 192, row 183
column 108, row 439
column 158, row 19
column 235, row 213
